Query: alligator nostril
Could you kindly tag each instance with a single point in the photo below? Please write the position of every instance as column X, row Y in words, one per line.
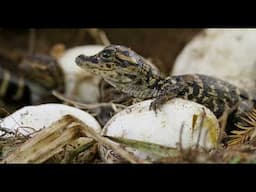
column 94, row 59
column 80, row 59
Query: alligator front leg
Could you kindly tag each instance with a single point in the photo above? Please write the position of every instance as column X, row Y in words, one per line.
column 160, row 101
column 168, row 92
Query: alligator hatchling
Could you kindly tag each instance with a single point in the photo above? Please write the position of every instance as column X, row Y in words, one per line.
column 29, row 82
column 130, row 73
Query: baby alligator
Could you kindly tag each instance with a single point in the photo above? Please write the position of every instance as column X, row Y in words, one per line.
column 29, row 82
column 129, row 72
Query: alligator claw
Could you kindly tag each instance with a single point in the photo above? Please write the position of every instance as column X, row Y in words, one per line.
column 157, row 104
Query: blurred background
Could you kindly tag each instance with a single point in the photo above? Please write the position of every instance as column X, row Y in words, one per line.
column 160, row 45
column 36, row 62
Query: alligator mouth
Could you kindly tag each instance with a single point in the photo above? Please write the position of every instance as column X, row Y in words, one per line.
column 90, row 63
column 82, row 60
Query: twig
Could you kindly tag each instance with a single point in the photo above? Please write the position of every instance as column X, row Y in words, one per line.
column 223, row 120
column 86, row 106
column 180, row 138
column 46, row 143
column 16, row 132
column 19, row 126
column 71, row 155
column 4, row 110
column 200, row 128
column 31, row 42
column 246, row 127
column 148, row 147
column 99, row 36
column 107, row 142
column 205, row 139
column 6, row 131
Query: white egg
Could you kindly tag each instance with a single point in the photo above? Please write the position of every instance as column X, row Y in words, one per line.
column 225, row 53
column 137, row 122
column 30, row 118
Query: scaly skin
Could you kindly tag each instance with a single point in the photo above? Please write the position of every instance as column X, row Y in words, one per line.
column 129, row 72
column 31, row 81
column 42, row 70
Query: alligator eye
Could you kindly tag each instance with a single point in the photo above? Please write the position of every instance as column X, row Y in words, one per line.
column 106, row 54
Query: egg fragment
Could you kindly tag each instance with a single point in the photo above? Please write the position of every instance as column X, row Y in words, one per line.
column 179, row 121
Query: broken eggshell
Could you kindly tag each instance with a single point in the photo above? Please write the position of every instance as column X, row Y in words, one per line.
column 81, row 85
column 228, row 54
column 178, row 121
column 33, row 118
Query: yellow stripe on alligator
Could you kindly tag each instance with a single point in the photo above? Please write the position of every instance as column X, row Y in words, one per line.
column 5, row 83
column 20, row 90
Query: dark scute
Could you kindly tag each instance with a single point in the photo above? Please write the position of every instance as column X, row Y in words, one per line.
column 196, row 89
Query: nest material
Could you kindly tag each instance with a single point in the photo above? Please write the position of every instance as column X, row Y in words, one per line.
column 247, row 129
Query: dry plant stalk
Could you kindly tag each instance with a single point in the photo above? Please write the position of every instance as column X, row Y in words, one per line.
column 83, row 145
column 246, row 130
column 51, row 140
column 223, row 121
column 107, row 142
column 152, row 148
column 46, row 143
column 31, row 41
column 99, row 36
column 87, row 106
